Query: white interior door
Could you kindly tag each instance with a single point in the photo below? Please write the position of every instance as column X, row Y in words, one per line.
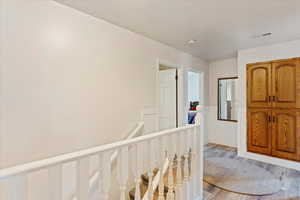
column 167, row 109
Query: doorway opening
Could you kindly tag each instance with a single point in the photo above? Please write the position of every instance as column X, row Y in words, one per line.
column 168, row 97
column 194, row 91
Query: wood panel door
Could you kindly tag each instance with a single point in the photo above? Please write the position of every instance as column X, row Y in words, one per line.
column 259, row 85
column 259, row 131
column 285, row 134
column 286, row 84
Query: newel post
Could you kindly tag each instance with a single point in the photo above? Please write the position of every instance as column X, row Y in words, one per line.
column 200, row 120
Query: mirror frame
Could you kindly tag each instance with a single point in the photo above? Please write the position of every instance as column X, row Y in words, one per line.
column 218, row 118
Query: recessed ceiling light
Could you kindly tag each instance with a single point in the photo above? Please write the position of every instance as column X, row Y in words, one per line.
column 266, row 34
column 192, row 41
column 263, row 35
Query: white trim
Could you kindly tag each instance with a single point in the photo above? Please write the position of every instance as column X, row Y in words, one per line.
column 201, row 84
column 136, row 132
column 150, row 118
column 3, row 57
column 180, row 88
column 183, row 105
column 64, row 158
column 199, row 198
column 201, row 74
column 93, row 181
column 272, row 160
column 182, row 91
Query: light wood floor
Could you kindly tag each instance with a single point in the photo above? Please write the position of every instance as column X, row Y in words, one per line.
column 292, row 184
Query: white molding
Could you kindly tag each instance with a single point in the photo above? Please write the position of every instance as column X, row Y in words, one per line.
column 199, row 198
column 181, row 88
column 69, row 157
column 201, row 83
column 150, row 118
column 93, row 181
column 271, row 160
column 183, row 104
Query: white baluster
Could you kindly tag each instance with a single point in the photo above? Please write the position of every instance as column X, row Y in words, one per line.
column 135, row 170
column 171, row 152
column 186, row 165
column 151, row 157
column 161, row 186
column 191, row 163
column 106, row 174
column 189, row 136
column 17, row 188
column 198, row 119
column 200, row 157
column 83, row 178
column 179, row 143
column 186, row 176
column 194, row 162
column 122, row 167
column 100, row 176
column 55, row 182
column 162, row 154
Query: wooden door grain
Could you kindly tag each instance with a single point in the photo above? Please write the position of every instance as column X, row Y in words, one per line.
column 285, row 133
column 286, row 83
column 259, row 85
column 259, row 131
column 273, row 102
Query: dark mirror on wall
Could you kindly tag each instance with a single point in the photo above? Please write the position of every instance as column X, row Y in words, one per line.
column 227, row 110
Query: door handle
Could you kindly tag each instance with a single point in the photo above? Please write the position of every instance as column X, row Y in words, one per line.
column 269, row 118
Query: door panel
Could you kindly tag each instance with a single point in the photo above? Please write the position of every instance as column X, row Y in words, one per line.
column 285, row 84
column 273, row 100
column 259, row 131
column 259, row 85
column 285, row 134
column 167, row 108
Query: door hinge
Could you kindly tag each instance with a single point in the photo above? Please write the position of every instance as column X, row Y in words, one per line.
column 176, row 77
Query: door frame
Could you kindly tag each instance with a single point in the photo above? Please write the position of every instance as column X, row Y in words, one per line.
column 201, row 88
column 182, row 94
column 179, row 89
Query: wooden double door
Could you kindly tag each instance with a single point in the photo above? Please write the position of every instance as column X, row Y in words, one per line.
column 273, row 102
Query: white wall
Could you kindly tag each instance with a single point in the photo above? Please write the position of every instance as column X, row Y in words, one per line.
column 220, row 132
column 68, row 78
column 260, row 54
column 2, row 25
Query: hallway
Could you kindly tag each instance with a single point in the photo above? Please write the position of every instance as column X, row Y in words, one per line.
column 292, row 184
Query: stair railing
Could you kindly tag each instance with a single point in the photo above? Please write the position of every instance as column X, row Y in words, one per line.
column 138, row 155
column 137, row 131
column 195, row 169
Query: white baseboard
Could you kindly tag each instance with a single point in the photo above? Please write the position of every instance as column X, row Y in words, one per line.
column 199, row 198
column 271, row 160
